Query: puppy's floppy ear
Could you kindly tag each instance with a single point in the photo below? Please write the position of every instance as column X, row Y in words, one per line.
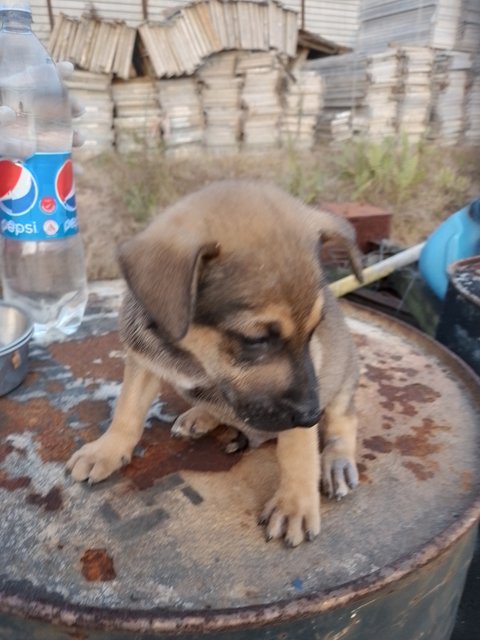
column 163, row 274
column 333, row 227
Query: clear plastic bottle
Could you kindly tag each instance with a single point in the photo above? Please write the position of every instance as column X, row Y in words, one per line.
column 43, row 265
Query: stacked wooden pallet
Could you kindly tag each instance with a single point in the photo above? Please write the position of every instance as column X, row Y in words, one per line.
column 262, row 74
column 441, row 24
column 451, row 73
column 220, row 90
column 345, row 84
column 182, row 115
column 414, row 99
column 334, row 126
column 302, row 105
column 468, row 32
column 137, row 121
column 94, row 45
column 93, row 91
column 210, row 26
column 377, row 117
column 472, row 107
column 336, row 21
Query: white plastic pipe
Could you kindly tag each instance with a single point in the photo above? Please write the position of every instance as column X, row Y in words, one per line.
column 377, row 271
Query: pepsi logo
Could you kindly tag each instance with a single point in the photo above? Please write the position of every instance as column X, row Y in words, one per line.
column 65, row 186
column 18, row 188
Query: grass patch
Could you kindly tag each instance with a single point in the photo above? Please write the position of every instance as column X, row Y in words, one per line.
column 420, row 185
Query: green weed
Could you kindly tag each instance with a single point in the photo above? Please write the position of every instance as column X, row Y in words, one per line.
column 390, row 168
column 302, row 181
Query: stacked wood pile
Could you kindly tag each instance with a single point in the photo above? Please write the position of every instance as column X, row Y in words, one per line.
column 216, row 75
column 441, row 24
column 421, row 92
column 450, row 81
column 137, row 121
column 237, row 100
column 414, row 99
column 220, row 89
column 377, row 115
column 182, row 115
column 211, row 26
column 93, row 91
column 468, row 33
column 302, row 106
column 344, row 87
column 94, row 45
column 337, row 21
column 262, row 75
column 472, row 117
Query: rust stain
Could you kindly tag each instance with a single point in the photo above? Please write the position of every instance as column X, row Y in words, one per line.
column 89, row 358
column 379, row 444
column 56, row 442
column 362, row 473
column 97, row 566
column 420, row 471
column 419, row 443
column 90, row 412
column 407, row 396
column 164, row 455
column 466, row 480
column 12, row 484
column 51, row 501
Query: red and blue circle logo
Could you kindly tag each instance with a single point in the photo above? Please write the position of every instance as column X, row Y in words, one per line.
column 65, row 186
column 18, row 188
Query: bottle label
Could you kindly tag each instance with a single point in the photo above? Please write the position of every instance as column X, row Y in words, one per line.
column 37, row 197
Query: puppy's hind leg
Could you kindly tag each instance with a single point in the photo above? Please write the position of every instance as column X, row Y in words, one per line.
column 97, row 460
column 339, row 469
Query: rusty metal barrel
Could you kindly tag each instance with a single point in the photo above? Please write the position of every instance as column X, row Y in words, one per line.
column 169, row 546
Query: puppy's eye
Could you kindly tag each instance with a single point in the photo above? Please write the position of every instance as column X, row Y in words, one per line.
column 255, row 341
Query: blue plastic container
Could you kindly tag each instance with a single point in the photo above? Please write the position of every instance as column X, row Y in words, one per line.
column 455, row 239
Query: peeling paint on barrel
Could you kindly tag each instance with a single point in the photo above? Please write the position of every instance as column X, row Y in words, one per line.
column 172, row 537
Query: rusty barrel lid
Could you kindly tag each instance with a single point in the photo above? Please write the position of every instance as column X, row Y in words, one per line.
column 464, row 276
column 170, row 543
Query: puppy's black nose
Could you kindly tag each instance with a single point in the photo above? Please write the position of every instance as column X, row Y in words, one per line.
column 307, row 418
column 303, row 414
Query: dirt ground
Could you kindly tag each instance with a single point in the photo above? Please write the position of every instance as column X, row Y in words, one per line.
column 118, row 195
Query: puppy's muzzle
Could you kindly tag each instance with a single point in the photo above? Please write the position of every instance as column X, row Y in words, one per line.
column 267, row 414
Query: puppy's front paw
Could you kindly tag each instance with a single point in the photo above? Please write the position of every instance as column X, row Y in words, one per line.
column 97, row 460
column 194, row 423
column 292, row 515
column 339, row 472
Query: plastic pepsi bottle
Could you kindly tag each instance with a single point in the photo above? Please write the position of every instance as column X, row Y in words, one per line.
column 42, row 257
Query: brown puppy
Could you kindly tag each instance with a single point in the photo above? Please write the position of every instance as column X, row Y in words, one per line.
column 227, row 302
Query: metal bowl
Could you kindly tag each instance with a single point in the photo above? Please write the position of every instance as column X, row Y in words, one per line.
column 16, row 329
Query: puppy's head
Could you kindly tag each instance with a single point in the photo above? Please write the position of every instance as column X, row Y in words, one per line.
column 231, row 274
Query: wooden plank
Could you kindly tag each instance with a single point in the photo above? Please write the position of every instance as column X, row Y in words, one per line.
column 153, row 53
column 190, row 37
column 208, row 26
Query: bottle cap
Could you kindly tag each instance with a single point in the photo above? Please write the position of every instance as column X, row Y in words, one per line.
column 15, row 5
